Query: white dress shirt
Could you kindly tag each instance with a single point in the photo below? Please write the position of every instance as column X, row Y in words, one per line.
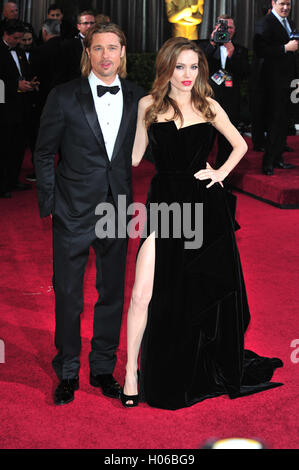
column 223, row 56
column 109, row 109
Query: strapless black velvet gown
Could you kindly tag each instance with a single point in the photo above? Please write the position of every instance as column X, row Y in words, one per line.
column 193, row 346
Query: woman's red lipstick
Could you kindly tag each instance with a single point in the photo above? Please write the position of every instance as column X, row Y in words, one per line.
column 187, row 82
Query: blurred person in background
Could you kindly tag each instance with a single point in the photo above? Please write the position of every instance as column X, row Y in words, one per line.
column 73, row 48
column 67, row 29
column 28, row 45
column 102, row 18
column 18, row 81
column 277, row 53
column 47, row 60
column 11, row 12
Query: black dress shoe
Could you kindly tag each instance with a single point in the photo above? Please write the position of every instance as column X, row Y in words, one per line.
column 284, row 166
column 268, row 171
column 107, row 383
column 6, row 195
column 21, row 187
column 258, row 149
column 65, row 392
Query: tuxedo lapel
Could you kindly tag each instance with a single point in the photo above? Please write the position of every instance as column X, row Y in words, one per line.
column 9, row 59
column 24, row 65
column 277, row 26
column 78, row 48
column 127, row 108
column 216, row 54
column 86, row 101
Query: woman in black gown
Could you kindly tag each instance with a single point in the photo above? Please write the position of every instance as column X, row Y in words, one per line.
column 188, row 307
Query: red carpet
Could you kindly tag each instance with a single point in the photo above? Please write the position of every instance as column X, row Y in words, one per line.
column 281, row 189
column 268, row 242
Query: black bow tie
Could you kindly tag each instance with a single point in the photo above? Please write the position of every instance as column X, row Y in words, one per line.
column 103, row 89
column 12, row 49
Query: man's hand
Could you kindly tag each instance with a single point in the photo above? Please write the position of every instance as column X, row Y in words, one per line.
column 212, row 35
column 230, row 48
column 291, row 46
column 35, row 83
column 25, row 86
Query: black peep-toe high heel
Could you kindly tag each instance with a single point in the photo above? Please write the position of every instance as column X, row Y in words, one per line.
column 134, row 398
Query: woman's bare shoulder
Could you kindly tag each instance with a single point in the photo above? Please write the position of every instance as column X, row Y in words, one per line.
column 215, row 106
column 145, row 101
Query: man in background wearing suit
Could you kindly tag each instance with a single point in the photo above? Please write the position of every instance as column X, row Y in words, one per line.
column 15, row 74
column 11, row 12
column 73, row 48
column 232, row 58
column 28, row 45
column 47, row 60
column 257, row 93
column 273, row 45
column 67, row 29
column 92, row 120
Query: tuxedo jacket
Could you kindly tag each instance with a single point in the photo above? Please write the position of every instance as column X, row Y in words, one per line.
column 72, row 53
column 276, row 68
column 13, row 110
column 84, row 174
column 48, row 65
column 237, row 65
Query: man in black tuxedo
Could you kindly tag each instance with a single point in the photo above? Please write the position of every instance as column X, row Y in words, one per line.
column 15, row 74
column 272, row 44
column 232, row 58
column 27, row 44
column 73, row 48
column 257, row 92
column 92, row 120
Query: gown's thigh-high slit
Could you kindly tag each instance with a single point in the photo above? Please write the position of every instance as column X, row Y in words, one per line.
column 140, row 299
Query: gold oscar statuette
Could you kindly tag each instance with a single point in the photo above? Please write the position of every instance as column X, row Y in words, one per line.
column 185, row 15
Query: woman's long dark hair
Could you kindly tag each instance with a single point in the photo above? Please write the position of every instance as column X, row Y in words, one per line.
column 165, row 64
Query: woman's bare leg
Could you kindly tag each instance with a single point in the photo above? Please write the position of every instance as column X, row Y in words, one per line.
column 137, row 313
